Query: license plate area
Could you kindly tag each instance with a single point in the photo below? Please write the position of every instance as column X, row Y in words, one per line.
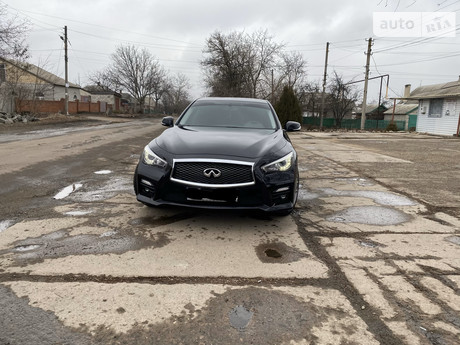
column 212, row 195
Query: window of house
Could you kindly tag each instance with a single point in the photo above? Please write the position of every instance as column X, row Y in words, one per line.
column 2, row 73
column 435, row 108
column 40, row 95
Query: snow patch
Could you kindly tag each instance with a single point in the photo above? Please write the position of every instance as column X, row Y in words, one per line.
column 67, row 191
column 5, row 224
column 103, row 172
column 78, row 213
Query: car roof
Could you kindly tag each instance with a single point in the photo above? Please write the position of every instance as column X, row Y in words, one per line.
column 231, row 99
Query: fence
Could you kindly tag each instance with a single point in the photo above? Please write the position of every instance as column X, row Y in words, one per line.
column 75, row 107
column 353, row 124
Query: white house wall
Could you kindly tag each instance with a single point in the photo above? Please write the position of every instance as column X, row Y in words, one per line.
column 59, row 93
column 444, row 125
column 109, row 99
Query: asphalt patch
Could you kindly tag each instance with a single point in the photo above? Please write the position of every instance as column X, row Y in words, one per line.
column 277, row 318
column 59, row 244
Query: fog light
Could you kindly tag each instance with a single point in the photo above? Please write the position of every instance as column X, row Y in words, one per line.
column 146, row 182
column 282, row 189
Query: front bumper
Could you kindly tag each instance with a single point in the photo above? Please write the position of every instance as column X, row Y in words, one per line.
column 270, row 192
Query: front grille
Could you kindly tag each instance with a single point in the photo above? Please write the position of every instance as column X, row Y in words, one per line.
column 230, row 173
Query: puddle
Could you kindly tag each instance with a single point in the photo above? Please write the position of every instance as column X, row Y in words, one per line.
column 382, row 198
column 277, row 252
column 371, row 215
column 59, row 244
column 103, row 172
column 67, row 191
column 78, row 213
column 453, row 239
column 240, row 317
column 368, row 244
column 273, row 253
column 26, row 248
column 108, row 190
column 108, row 234
column 5, row 224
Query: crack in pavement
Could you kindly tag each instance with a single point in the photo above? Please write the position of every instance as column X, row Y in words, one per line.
column 164, row 280
column 339, row 281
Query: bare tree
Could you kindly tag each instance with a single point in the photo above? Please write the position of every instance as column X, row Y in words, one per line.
column 309, row 95
column 159, row 84
column 293, row 69
column 177, row 96
column 12, row 47
column 12, row 36
column 104, row 81
column 237, row 64
column 289, row 70
column 263, row 52
column 341, row 98
column 134, row 70
column 224, row 65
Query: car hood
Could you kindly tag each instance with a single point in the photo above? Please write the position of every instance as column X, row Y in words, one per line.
column 212, row 141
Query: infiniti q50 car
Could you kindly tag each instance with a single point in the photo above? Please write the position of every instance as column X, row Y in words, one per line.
column 229, row 153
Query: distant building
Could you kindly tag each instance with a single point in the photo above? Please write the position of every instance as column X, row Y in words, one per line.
column 403, row 111
column 27, row 82
column 99, row 94
column 439, row 108
column 373, row 112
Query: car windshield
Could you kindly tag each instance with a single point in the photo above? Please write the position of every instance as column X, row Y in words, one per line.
column 234, row 115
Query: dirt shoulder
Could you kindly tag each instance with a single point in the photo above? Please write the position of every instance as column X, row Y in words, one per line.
column 53, row 121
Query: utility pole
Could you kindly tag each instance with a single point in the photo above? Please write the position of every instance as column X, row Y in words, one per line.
column 366, row 80
column 66, row 58
column 323, row 96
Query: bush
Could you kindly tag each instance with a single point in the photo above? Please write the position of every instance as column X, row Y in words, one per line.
column 288, row 107
column 392, row 127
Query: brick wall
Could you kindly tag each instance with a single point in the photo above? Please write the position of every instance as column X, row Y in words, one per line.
column 75, row 107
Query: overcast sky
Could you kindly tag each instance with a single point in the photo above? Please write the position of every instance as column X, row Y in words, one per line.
column 175, row 32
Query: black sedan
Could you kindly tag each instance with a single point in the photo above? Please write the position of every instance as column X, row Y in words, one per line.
column 229, row 153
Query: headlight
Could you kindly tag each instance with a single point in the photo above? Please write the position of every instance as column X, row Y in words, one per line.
column 281, row 164
column 151, row 158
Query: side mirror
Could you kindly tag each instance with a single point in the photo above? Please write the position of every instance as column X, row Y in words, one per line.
column 292, row 126
column 168, row 121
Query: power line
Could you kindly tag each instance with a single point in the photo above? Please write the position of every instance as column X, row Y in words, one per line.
column 414, row 42
column 376, row 68
column 152, row 45
column 96, row 25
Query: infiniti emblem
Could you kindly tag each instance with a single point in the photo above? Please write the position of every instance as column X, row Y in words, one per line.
column 212, row 172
